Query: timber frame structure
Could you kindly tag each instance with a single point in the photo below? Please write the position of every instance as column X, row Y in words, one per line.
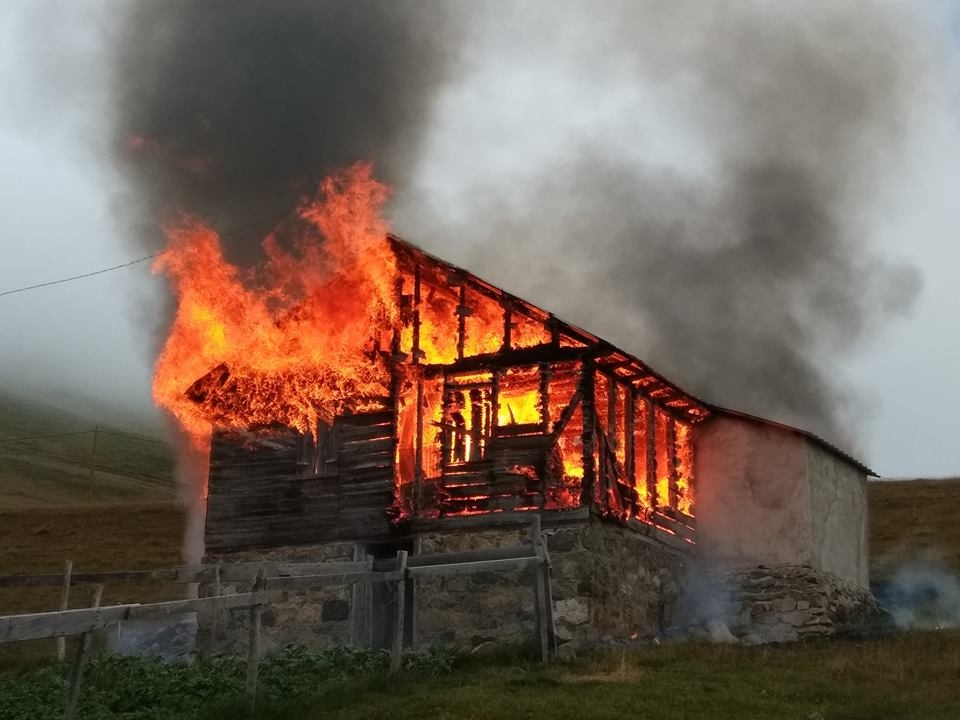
column 496, row 408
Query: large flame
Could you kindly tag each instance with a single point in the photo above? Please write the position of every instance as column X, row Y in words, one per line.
column 293, row 338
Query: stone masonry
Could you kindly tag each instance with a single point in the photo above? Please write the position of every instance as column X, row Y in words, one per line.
column 791, row 602
column 609, row 583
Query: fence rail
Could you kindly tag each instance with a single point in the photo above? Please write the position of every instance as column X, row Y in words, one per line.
column 266, row 579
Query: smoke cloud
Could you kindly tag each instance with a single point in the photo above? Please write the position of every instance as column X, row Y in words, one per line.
column 232, row 110
column 746, row 272
column 731, row 250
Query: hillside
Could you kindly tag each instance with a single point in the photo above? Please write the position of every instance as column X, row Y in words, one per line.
column 913, row 520
column 47, row 457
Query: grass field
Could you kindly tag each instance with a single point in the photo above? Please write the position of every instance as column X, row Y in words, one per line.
column 47, row 458
column 914, row 520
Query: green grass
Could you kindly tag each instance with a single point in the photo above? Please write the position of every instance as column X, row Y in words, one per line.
column 910, row 676
column 64, row 469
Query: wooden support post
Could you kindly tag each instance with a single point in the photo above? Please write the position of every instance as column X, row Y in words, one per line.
column 215, row 612
column 64, row 604
column 652, row 452
column 673, row 462
column 360, row 607
column 396, row 653
column 418, row 451
column 414, row 634
column 629, row 453
column 507, row 328
column 611, row 429
column 84, row 649
column 540, row 598
column 462, row 322
column 415, row 350
column 588, row 437
column 253, row 646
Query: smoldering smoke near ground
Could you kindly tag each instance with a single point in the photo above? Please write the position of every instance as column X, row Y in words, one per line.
column 748, row 277
column 231, row 111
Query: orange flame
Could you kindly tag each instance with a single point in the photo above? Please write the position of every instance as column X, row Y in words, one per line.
column 290, row 340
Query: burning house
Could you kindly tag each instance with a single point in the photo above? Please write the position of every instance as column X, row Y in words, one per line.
column 370, row 397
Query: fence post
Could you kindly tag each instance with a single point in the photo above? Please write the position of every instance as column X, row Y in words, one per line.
column 64, row 604
column 215, row 619
column 548, row 592
column 83, row 654
column 253, row 646
column 540, row 599
column 397, row 650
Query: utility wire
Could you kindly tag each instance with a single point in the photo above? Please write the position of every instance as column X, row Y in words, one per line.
column 79, row 277
column 44, row 437
column 226, row 233
column 85, row 432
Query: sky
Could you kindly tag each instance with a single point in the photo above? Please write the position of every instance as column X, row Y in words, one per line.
column 89, row 345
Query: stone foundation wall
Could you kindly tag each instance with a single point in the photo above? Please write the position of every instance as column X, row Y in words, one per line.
column 608, row 582
column 791, row 602
column 316, row 618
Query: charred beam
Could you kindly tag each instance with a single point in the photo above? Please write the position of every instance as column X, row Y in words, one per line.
column 523, row 356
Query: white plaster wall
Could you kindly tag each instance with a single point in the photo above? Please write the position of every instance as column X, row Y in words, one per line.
column 838, row 509
column 752, row 498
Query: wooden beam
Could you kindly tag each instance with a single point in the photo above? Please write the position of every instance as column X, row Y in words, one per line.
column 64, row 604
column 396, row 654
column 253, row 644
column 415, row 350
column 418, row 452
column 461, row 321
column 540, row 599
column 588, row 439
column 629, row 423
column 508, row 358
column 84, row 649
column 651, row 450
column 468, row 568
column 673, row 460
column 469, row 556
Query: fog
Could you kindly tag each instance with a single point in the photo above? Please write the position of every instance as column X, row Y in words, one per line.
column 525, row 96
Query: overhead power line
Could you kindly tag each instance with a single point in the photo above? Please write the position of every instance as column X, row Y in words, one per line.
column 226, row 233
column 44, row 437
column 79, row 277
column 100, row 430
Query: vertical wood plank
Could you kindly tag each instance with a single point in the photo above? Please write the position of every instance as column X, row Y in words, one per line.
column 418, row 451
column 359, row 606
column 462, row 321
column 215, row 619
column 64, row 604
column 539, row 590
column 414, row 630
column 630, row 469
column 396, row 654
column 416, row 315
column 84, row 648
column 253, row 646
column 651, row 452
column 589, row 468
column 507, row 328
column 673, row 462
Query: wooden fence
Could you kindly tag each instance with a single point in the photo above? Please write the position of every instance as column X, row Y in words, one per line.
column 267, row 578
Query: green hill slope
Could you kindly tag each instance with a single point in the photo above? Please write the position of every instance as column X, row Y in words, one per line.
column 49, row 456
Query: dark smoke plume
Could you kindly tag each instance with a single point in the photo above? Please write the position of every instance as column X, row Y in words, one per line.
column 231, row 110
column 748, row 278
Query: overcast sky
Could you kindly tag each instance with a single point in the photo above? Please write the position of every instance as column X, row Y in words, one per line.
column 87, row 343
